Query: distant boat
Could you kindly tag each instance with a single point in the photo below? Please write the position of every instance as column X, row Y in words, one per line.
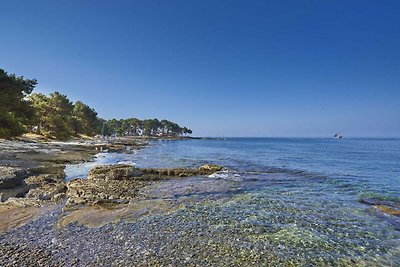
column 338, row 136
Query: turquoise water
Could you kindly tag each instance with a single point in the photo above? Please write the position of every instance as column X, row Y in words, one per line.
column 304, row 201
column 370, row 165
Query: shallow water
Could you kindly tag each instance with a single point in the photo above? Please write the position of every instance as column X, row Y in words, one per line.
column 295, row 200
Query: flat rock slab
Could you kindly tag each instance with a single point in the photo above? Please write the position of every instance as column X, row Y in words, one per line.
column 113, row 172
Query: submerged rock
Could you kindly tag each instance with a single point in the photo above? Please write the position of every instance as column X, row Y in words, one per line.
column 385, row 206
column 388, row 210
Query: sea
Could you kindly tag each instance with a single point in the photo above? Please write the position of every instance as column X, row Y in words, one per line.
column 305, row 201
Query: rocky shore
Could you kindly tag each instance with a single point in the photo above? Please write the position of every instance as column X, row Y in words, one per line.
column 33, row 188
column 206, row 215
column 32, row 171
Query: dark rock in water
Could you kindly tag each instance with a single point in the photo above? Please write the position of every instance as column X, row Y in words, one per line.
column 11, row 177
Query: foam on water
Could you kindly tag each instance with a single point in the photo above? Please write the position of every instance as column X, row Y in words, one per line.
column 227, row 175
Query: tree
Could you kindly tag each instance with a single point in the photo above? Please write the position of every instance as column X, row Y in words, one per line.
column 40, row 104
column 135, row 126
column 151, row 127
column 84, row 119
column 54, row 115
column 60, row 117
column 15, row 111
column 186, row 130
column 148, row 127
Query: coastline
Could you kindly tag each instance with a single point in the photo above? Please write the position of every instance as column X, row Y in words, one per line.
column 33, row 187
column 127, row 215
column 32, row 170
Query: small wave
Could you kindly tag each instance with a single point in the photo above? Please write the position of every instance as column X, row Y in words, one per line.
column 227, row 175
column 126, row 162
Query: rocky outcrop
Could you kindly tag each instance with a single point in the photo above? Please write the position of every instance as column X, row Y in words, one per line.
column 47, row 191
column 206, row 169
column 121, row 183
column 47, row 182
column 113, row 172
column 34, row 171
column 47, row 172
column 11, row 177
column 209, row 168
column 129, row 172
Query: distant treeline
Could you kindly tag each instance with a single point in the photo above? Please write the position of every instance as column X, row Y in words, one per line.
column 55, row 116
column 150, row 127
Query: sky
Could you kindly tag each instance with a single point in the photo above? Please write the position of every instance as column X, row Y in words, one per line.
column 298, row 68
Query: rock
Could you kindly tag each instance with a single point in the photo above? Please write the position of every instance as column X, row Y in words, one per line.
column 206, row 169
column 385, row 206
column 121, row 183
column 388, row 210
column 47, row 191
column 18, row 191
column 43, row 179
column 95, row 191
column 55, row 171
column 47, row 181
column 113, row 172
column 11, row 177
column 116, row 148
column 168, row 173
column 2, row 197
column 23, row 202
column 210, row 168
column 58, row 197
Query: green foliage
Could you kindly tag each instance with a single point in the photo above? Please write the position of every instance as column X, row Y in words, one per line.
column 15, row 112
column 84, row 119
column 55, row 116
column 148, row 127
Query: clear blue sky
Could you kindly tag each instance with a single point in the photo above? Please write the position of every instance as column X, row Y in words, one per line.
column 223, row 68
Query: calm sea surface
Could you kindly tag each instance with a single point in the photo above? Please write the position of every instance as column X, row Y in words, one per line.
column 306, row 201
